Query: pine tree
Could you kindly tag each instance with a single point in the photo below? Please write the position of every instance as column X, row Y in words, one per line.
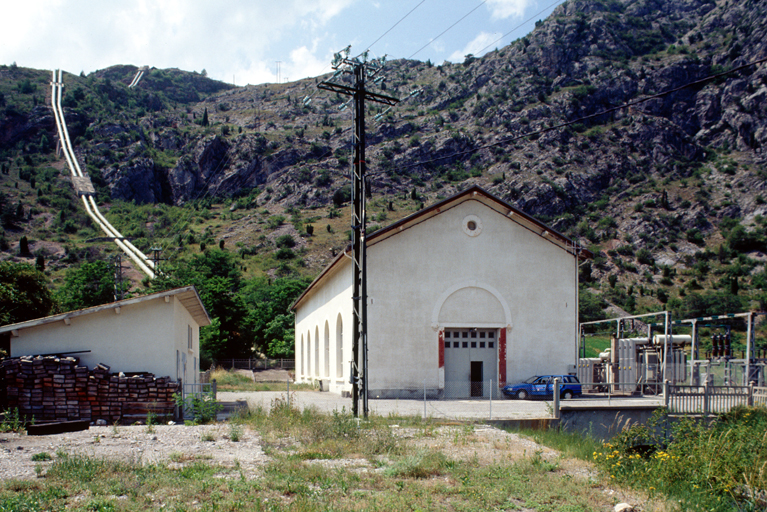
column 205, row 117
column 23, row 246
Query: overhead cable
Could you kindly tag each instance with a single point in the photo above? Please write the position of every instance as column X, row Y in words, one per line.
column 448, row 28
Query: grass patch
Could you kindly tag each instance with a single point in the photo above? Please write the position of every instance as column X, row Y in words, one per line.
column 568, row 444
column 319, row 462
column 228, row 380
column 713, row 467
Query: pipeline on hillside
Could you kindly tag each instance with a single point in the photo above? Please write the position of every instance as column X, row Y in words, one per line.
column 138, row 257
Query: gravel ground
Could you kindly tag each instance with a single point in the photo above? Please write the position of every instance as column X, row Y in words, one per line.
column 178, row 444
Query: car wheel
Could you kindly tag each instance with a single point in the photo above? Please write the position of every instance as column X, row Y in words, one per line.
column 567, row 395
column 522, row 395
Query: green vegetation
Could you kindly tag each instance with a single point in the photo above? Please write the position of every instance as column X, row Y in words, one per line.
column 322, row 462
column 90, row 284
column 716, row 467
column 24, row 294
column 230, row 380
column 199, row 409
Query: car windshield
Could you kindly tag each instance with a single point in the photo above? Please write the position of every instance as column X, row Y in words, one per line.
column 531, row 379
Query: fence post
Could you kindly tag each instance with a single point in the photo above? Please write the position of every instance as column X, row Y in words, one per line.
column 751, row 394
column 288, row 400
column 491, row 399
column 666, row 394
column 213, row 387
column 705, row 399
column 556, row 398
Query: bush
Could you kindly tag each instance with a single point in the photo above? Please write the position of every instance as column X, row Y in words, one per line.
column 716, row 467
column 285, row 254
column 199, row 409
column 285, row 241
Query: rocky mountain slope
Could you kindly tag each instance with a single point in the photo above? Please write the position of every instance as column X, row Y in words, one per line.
column 654, row 189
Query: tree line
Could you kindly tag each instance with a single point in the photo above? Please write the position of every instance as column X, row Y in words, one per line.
column 249, row 317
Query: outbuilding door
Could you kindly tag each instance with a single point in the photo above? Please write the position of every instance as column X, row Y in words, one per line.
column 471, row 362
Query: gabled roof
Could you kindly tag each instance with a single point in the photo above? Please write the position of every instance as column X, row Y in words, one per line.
column 476, row 193
column 187, row 295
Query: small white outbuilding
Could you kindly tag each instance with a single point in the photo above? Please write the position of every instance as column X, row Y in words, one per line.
column 467, row 292
column 157, row 333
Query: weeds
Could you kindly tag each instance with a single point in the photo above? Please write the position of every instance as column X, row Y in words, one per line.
column 151, row 421
column 315, row 465
column 235, row 432
column 706, row 467
column 199, row 408
column 12, row 422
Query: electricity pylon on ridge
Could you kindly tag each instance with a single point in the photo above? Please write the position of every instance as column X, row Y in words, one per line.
column 360, row 68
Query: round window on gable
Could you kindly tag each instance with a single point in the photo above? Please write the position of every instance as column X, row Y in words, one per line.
column 472, row 225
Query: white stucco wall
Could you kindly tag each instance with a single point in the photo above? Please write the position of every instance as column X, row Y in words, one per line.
column 182, row 321
column 143, row 337
column 435, row 275
column 319, row 309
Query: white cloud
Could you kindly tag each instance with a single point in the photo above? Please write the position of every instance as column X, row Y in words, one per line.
column 475, row 46
column 502, row 9
column 241, row 37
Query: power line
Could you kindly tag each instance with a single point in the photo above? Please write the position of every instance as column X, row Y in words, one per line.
column 392, row 27
column 448, row 28
column 528, row 20
column 590, row 116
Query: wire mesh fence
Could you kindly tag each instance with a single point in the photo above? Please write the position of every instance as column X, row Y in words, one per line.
column 255, row 364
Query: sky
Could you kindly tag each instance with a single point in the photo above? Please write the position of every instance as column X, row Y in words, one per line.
column 255, row 41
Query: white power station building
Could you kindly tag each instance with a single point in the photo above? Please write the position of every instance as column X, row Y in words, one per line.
column 463, row 293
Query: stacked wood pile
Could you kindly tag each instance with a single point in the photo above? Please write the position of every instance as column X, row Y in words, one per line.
column 57, row 388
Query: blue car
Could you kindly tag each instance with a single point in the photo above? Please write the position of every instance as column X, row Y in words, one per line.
column 543, row 386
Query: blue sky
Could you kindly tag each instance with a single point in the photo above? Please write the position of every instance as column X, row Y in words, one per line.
column 243, row 40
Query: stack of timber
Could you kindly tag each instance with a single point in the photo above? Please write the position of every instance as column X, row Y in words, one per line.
column 57, row 388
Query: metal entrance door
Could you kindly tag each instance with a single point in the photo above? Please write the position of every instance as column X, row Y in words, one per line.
column 471, row 355
column 475, row 378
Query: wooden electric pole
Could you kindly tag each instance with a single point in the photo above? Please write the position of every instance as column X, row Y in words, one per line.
column 359, row 69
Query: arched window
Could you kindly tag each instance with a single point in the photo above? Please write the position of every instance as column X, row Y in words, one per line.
column 327, row 350
column 308, row 353
column 339, row 347
column 302, row 355
column 317, row 351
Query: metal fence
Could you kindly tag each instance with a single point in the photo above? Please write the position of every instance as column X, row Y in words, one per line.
column 707, row 400
column 255, row 364
column 451, row 390
column 201, row 388
column 725, row 372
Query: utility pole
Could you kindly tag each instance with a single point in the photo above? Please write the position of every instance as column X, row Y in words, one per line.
column 118, row 278
column 156, row 258
column 360, row 69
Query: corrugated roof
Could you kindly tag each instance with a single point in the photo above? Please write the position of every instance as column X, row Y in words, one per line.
column 187, row 295
column 473, row 192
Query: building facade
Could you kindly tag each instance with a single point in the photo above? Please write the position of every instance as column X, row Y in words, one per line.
column 157, row 333
column 463, row 296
